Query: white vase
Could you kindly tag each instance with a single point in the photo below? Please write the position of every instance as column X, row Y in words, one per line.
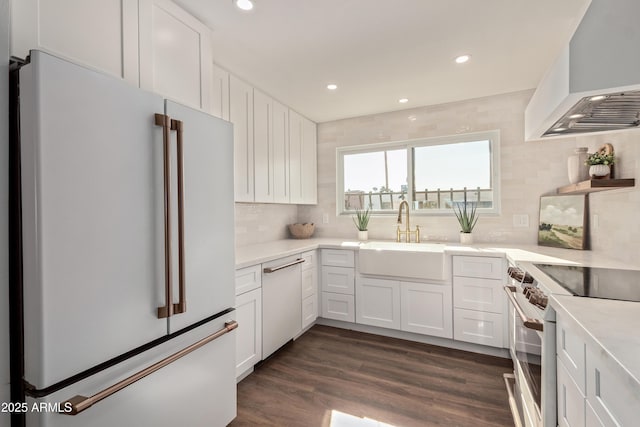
column 466, row 238
column 363, row 235
column 599, row 171
column 576, row 168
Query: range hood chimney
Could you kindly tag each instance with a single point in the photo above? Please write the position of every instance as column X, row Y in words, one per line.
column 594, row 85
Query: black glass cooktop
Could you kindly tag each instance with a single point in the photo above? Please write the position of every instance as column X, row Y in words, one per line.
column 591, row 282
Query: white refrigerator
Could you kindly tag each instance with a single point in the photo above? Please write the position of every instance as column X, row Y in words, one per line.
column 128, row 254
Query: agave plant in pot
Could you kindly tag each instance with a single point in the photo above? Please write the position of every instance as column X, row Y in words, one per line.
column 361, row 220
column 467, row 215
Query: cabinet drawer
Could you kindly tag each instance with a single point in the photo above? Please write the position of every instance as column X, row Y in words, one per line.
column 338, row 279
column 338, row 258
column 610, row 391
column 309, row 310
column 570, row 399
column 571, row 351
column 338, row 306
column 249, row 334
column 482, row 267
column 248, row 279
column 309, row 283
column 309, row 258
column 479, row 294
column 478, row 327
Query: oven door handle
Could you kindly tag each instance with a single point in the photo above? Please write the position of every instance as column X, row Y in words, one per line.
column 534, row 324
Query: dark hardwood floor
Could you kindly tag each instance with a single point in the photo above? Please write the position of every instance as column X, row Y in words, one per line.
column 387, row 380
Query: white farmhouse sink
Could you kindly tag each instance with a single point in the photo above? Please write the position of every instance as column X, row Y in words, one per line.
column 412, row 260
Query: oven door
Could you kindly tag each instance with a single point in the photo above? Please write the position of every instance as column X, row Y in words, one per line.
column 526, row 345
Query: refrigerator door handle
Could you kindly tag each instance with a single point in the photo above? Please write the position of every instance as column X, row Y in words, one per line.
column 181, row 306
column 165, row 121
column 79, row 403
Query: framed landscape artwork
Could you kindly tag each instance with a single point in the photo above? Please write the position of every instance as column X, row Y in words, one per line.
column 562, row 221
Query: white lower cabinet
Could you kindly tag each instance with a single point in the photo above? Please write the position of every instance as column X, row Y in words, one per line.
column 479, row 314
column 249, row 332
column 309, row 310
column 378, row 302
column 571, row 402
column 478, row 327
column 338, row 307
column 309, row 289
column 426, row 309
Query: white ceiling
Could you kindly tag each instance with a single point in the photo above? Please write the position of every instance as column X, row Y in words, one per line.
column 378, row 51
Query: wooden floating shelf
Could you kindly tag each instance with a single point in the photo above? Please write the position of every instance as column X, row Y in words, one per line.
column 596, row 185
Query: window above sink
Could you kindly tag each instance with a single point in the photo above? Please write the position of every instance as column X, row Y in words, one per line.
column 429, row 173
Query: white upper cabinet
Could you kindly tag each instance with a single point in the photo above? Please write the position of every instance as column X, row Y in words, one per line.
column 271, row 151
column 175, row 54
column 99, row 34
column 241, row 115
column 263, row 146
column 302, row 159
column 280, row 153
column 220, row 93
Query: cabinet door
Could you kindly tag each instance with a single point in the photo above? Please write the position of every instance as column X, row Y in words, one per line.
column 99, row 34
column 309, row 174
column 220, row 92
column 263, row 147
column 309, row 310
column 571, row 401
column 378, row 302
column 571, row 351
column 249, row 332
column 427, row 309
column 241, row 115
column 280, row 153
column 309, row 283
column 295, row 157
column 175, row 54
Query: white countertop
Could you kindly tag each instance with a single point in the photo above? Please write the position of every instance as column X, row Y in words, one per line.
column 612, row 325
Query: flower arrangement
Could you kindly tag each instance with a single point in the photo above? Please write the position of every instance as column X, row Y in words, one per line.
column 600, row 158
column 361, row 219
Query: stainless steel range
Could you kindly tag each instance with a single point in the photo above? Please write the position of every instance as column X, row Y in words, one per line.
column 532, row 335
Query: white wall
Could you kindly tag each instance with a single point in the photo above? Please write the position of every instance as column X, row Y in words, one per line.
column 528, row 170
column 4, row 228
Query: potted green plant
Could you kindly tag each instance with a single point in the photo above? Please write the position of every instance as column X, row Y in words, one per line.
column 600, row 164
column 467, row 217
column 361, row 220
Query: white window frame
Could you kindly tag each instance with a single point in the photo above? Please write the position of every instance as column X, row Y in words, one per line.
column 493, row 136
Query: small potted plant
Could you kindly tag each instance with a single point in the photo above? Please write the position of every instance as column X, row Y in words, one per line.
column 600, row 164
column 467, row 217
column 361, row 220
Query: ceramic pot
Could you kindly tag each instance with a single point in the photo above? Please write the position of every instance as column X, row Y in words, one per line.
column 466, row 238
column 599, row 171
column 363, row 235
column 576, row 168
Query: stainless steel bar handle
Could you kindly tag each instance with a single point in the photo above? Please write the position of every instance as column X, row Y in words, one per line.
column 534, row 324
column 280, row 267
column 167, row 309
column 181, row 306
column 81, row 403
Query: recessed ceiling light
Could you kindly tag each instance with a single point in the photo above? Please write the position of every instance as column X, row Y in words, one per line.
column 412, row 118
column 576, row 116
column 403, row 100
column 597, row 98
column 244, row 4
column 332, row 86
column 559, row 129
column 462, row 59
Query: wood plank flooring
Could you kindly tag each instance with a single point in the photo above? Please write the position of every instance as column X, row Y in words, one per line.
column 392, row 381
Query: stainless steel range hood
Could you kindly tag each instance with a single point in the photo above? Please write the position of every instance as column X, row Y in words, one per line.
column 594, row 85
